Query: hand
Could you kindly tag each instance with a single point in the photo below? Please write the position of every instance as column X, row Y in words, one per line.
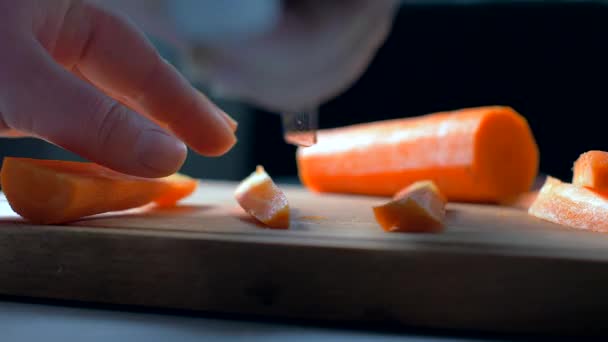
column 85, row 79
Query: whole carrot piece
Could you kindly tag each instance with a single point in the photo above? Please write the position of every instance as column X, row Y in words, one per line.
column 483, row 154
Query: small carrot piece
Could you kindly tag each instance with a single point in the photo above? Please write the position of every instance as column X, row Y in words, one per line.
column 484, row 154
column 591, row 170
column 56, row 191
column 419, row 207
column 261, row 198
column 571, row 205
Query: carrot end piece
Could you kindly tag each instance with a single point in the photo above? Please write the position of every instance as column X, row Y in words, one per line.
column 182, row 187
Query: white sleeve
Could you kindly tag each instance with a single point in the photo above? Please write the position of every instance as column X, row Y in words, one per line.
column 186, row 22
column 205, row 21
column 280, row 55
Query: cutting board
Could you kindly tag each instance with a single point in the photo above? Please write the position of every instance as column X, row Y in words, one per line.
column 493, row 269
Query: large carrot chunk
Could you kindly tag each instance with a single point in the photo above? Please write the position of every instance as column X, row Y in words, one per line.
column 55, row 191
column 591, row 170
column 484, row 154
column 571, row 205
column 260, row 197
column 419, row 207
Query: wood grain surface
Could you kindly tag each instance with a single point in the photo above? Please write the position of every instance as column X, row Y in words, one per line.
column 493, row 269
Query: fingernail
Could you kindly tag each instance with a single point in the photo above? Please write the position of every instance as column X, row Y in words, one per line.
column 229, row 120
column 222, row 140
column 230, row 126
column 160, row 152
column 233, row 124
column 226, row 144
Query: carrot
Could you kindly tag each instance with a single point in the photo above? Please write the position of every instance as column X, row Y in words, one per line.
column 260, row 197
column 419, row 207
column 571, row 205
column 484, row 154
column 55, row 191
column 591, row 170
column 181, row 186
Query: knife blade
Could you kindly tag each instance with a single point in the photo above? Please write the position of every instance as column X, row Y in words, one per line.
column 300, row 128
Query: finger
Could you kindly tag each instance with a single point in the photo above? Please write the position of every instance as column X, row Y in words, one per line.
column 118, row 58
column 40, row 98
column 122, row 99
column 138, row 108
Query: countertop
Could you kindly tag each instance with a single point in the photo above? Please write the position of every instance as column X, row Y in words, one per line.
column 41, row 321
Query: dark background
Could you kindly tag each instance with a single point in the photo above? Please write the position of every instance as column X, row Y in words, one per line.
column 547, row 60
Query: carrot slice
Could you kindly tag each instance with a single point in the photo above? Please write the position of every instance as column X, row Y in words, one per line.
column 260, row 197
column 55, row 191
column 419, row 207
column 591, row 170
column 571, row 205
column 484, row 154
column 181, row 186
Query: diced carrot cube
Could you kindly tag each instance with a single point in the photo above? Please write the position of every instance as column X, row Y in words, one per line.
column 419, row 207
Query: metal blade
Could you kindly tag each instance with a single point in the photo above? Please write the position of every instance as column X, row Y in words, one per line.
column 300, row 128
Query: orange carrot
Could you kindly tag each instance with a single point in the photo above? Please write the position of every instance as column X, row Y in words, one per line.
column 181, row 186
column 591, row 170
column 260, row 197
column 419, row 207
column 54, row 191
column 485, row 154
column 571, row 205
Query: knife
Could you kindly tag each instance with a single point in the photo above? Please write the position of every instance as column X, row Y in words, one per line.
column 300, row 128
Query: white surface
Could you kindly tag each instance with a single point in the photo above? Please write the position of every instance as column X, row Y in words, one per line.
column 214, row 21
column 34, row 322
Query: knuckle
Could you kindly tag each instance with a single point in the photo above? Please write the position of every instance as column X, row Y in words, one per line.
column 22, row 121
column 3, row 125
column 111, row 118
column 148, row 77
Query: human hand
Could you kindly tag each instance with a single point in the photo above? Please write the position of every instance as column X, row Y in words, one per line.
column 85, row 79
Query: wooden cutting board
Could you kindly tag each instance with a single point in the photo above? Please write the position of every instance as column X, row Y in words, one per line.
column 493, row 269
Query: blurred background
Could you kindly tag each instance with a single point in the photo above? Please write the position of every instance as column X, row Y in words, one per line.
column 546, row 59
